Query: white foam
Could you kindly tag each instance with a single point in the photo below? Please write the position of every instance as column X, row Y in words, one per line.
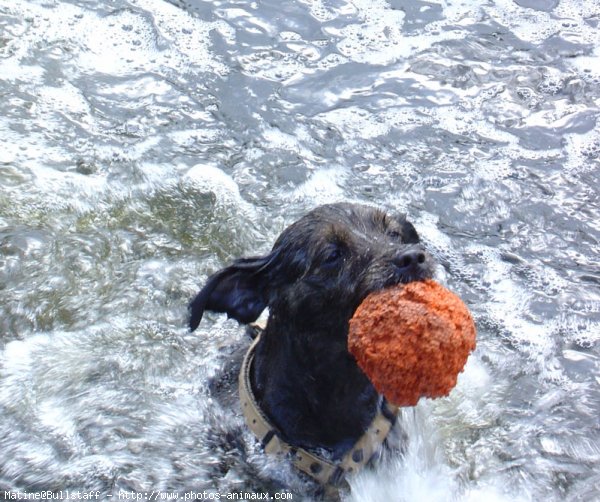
column 276, row 138
column 587, row 65
column 12, row 70
column 423, row 471
column 66, row 98
column 124, row 42
column 205, row 176
column 508, row 306
column 164, row 39
column 355, row 122
column 273, row 65
column 322, row 187
column 55, row 417
column 320, row 11
column 439, row 244
column 580, row 149
column 378, row 37
column 405, row 482
column 331, row 61
column 569, row 19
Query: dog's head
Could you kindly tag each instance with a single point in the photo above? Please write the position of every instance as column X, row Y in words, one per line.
column 319, row 269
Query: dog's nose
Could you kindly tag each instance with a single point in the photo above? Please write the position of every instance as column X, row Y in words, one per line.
column 409, row 261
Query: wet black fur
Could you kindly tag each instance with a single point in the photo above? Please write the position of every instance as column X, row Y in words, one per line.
column 318, row 272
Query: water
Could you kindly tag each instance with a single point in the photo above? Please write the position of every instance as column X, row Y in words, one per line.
column 146, row 143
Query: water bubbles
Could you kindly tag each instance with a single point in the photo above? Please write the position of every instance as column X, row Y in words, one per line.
column 323, row 186
column 143, row 148
column 377, row 40
column 272, row 65
column 320, row 11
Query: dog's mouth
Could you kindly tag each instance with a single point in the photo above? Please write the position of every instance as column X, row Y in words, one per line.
column 420, row 271
column 398, row 277
column 405, row 277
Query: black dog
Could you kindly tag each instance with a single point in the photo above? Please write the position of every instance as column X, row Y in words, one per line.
column 318, row 272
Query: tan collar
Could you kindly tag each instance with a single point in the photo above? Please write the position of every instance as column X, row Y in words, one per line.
column 320, row 469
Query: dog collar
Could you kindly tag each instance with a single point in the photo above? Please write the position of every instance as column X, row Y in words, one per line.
column 324, row 471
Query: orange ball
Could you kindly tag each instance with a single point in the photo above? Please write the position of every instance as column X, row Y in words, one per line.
column 412, row 340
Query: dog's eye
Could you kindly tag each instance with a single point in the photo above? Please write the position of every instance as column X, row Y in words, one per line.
column 394, row 234
column 334, row 256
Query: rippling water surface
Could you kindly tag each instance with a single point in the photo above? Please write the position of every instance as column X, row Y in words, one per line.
column 145, row 143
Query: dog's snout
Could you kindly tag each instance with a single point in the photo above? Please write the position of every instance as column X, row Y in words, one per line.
column 410, row 262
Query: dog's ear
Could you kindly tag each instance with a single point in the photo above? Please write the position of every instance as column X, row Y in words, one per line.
column 239, row 290
column 409, row 233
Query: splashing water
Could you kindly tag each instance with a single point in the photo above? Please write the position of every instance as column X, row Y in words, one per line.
column 146, row 144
